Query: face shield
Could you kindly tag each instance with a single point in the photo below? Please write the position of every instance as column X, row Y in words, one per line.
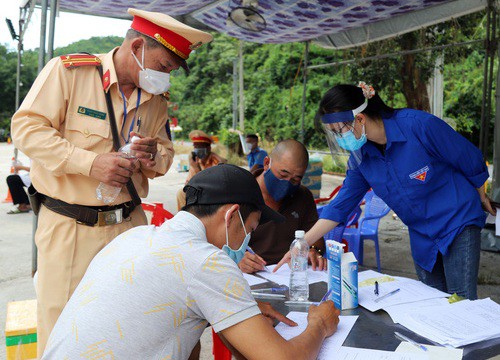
column 342, row 138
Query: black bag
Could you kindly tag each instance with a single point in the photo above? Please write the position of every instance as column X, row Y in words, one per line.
column 35, row 199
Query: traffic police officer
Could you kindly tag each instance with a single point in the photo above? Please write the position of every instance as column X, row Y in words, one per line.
column 63, row 125
column 431, row 176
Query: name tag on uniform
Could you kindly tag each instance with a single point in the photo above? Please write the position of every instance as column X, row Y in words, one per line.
column 92, row 113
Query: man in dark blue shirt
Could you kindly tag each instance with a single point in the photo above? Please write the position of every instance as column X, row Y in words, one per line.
column 257, row 155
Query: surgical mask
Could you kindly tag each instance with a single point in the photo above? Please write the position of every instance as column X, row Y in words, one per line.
column 237, row 255
column 200, row 153
column 278, row 188
column 152, row 81
column 349, row 142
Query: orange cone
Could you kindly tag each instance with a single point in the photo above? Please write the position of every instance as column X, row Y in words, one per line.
column 8, row 199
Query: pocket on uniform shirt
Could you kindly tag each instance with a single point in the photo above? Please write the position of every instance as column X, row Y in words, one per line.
column 417, row 179
column 84, row 131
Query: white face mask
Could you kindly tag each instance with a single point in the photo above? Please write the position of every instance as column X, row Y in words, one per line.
column 152, row 81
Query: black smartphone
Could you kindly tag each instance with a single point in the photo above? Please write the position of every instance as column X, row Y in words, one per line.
column 193, row 155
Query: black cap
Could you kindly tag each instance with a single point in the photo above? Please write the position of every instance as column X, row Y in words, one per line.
column 228, row 184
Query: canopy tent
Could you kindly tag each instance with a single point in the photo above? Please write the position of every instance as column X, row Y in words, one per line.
column 329, row 23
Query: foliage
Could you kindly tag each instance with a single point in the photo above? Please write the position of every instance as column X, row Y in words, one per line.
column 273, row 80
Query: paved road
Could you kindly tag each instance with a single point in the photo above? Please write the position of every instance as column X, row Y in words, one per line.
column 15, row 244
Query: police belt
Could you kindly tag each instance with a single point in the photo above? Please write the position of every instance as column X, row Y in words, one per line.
column 90, row 215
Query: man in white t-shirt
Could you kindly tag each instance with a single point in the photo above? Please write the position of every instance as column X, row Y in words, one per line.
column 151, row 292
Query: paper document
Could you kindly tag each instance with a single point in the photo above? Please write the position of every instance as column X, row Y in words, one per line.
column 282, row 276
column 494, row 220
column 433, row 352
column 393, row 290
column 331, row 345
column 398, row 312
column 459, row 324
column 497, row 223
column 349, row 353
column 254, row 280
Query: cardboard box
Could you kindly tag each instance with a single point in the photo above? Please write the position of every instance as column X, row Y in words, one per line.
column 342, row 276
column 20, row 330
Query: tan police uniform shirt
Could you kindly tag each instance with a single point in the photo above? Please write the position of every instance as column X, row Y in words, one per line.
column 63, row 124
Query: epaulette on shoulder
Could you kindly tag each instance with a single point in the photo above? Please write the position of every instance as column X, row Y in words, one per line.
column 76, row 60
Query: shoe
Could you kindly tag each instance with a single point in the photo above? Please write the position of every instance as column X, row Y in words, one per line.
column 17, row 211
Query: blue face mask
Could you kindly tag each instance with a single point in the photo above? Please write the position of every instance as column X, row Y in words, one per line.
column 237, row 255
column 278, row 188
column 349, row 142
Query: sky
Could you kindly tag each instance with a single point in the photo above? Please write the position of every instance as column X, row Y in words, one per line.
column 69, row 27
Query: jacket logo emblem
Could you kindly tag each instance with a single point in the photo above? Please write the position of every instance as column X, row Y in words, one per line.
column 420, row 174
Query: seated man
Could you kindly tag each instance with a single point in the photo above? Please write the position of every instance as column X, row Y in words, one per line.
column 150, row 293
column 280, row 184
column 200, row 159
column 257, row 155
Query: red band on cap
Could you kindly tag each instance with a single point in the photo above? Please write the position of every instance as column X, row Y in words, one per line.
column 167, row 38
column 201, row 139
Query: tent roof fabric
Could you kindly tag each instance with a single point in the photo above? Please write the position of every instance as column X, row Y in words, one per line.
column 330, row 23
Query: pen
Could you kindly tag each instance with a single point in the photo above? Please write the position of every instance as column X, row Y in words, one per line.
column 326, row 296
column 266, row 295
column 349, row 288
column 376, row 288
column 386, row 295
column 404, row 338
column 138, row 124
column 249, row 249
column 293, row 303
column 271, row 290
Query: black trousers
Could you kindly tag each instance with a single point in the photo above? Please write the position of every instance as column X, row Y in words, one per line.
column 16, row 188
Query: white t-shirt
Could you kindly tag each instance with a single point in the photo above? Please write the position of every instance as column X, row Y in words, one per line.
column 149, row 294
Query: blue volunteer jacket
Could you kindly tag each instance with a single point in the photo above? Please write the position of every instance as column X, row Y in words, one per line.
column 428, row 176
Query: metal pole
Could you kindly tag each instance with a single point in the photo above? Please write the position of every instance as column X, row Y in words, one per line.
column 484, row 120
column 489, row 93
column 304, row 71
column 52, row 27
column 242, row 97
column 235, row 93
column 43, row 29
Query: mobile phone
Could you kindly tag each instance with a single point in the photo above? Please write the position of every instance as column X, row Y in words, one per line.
column 193, row 155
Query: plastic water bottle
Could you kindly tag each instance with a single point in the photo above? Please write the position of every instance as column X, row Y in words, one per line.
column 107, row 193
column 299, row 285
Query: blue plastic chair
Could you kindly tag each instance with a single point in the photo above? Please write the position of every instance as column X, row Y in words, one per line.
column 375, row 209
column 338, row 231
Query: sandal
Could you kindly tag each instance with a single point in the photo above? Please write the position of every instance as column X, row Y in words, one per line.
column 17, row 211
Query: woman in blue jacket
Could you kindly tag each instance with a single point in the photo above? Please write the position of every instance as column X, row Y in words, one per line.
column 432, row 177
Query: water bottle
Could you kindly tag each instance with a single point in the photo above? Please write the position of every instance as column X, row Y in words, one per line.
column 299, row 285
column 107, row 193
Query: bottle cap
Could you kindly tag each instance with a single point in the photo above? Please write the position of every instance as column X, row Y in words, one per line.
column 134, row 139
column 299, row 233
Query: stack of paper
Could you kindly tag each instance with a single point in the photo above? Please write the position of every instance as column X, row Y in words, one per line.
column 331, row 345
column 282, row 276
column 433, row 352
column 403, row 290
column 459, row 324
column 349, row 353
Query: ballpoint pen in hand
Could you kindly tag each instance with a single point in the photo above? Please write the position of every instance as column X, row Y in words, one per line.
column 386, row 295
column 326, row 296
column 249, row 249
column 404, row 338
